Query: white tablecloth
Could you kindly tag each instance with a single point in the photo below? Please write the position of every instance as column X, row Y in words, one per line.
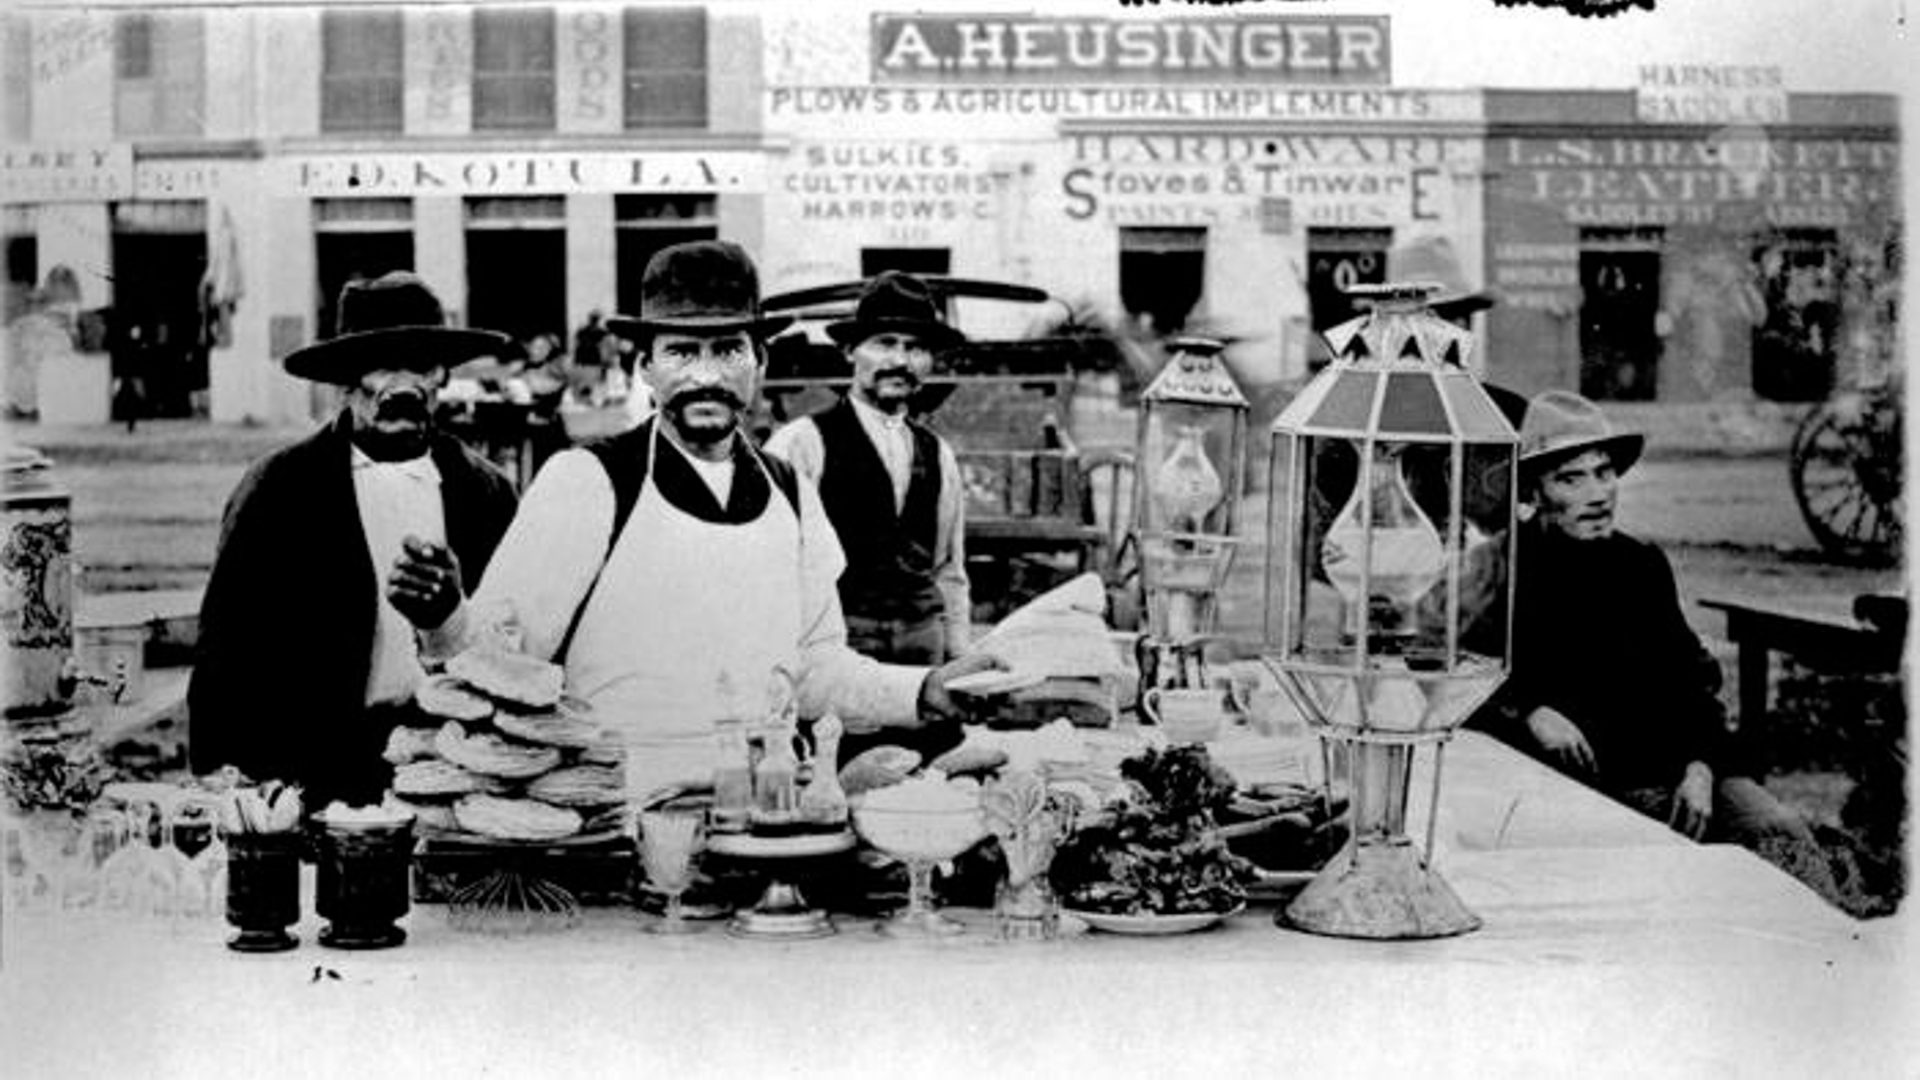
column 1657, row 958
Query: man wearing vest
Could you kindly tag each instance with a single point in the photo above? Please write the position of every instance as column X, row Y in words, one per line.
column 891, row 486
column 675, row 568
column 338, row 552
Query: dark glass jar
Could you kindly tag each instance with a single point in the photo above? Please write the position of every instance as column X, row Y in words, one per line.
column 263, row 890
column 363, row 884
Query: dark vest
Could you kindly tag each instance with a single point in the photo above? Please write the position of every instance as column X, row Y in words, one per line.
column 889, row 554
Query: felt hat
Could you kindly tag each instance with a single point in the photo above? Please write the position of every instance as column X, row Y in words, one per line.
column 895, row 302
column 1431, row 259
column 1561, row 423
column 392, row 322
column 700, row 287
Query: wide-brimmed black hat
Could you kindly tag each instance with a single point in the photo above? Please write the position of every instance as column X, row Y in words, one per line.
column 1561, row 423
column 393, row 322
column 700, row 287
column 899, row 303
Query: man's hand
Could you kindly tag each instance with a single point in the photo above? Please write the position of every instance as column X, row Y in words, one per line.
column 936, row 705
column 424, row 584
column 1561, row 738
column 1693, row 801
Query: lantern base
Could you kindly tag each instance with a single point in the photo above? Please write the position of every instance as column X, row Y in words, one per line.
column 1381, row 889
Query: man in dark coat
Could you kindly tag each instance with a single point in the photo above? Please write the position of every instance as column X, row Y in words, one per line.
column 1608, row 681
column 334, row 551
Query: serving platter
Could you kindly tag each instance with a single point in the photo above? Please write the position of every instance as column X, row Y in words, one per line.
column 1149, row 925
column 466, row 838
column 797, row 846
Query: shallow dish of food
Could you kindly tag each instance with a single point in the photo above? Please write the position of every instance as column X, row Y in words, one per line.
column 1148, row 924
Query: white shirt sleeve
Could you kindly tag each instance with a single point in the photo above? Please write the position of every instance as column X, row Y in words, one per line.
column 950, row 554
column 549, row 558
column 865, row 693
column 799, row 445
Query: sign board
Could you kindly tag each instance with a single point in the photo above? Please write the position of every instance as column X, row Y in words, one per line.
column 498, row 174
column 1711, row 94
column 1317, row 49
column 66, row 173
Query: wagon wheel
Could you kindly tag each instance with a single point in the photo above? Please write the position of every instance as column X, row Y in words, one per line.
column 1106, row 488
column 1846, row 475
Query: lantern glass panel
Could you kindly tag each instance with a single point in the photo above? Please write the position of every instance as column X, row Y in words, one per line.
column 1387, row 577
column 1190, row 465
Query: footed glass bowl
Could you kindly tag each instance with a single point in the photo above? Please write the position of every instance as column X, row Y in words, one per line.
column 920, row 838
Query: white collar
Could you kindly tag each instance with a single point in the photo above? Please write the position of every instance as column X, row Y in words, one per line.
column 421, row 468
column 875, row 417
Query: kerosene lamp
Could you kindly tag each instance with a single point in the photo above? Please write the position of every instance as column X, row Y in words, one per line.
column 1190, row 460
column 1388, row 601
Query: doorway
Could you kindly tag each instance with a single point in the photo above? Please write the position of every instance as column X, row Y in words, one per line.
column 1620, row 298
column 346, row 256
column 159, row 349
column 517, row 282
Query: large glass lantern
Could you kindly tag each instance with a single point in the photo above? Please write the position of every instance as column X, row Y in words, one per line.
column 1388, row 592
column 1191, row 455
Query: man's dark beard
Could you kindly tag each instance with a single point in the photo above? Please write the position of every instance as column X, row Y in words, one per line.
column 888, row 401
column 676, row 411
column 409, row 407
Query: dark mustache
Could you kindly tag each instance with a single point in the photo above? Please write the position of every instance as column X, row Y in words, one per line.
column 718, row 394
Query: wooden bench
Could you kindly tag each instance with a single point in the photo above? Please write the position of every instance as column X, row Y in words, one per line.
column 1820, row 640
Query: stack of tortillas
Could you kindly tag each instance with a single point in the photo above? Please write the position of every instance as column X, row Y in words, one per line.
column 1062, row 637
column 498, row 753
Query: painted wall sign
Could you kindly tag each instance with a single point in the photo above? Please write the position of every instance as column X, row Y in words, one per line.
column 994, row 48
column 1711, row 94
column 1305, row 104
column 178, row 178
column 1537, row 276
column 1326, row 179
column 588, row 77
column 926, row 182
column 56, row 173
column 515, row 174
column 1657, row 181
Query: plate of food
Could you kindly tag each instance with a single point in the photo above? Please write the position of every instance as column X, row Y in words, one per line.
column 1149, row 924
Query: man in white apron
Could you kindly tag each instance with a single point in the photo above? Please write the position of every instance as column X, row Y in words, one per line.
column 674, row 569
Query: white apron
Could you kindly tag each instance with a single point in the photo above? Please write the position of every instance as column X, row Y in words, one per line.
column 681, row 601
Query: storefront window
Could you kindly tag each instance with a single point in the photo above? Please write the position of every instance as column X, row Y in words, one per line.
column 517, row 266
column 1337, row 260
column 160, row 73
column 1619, row 307
column 666, row 67
column 1798, row 272
column 513, row 69
column 646, row 223
column 362, row 81
column 23, row 258
column 1162, row 275
column 357, row 239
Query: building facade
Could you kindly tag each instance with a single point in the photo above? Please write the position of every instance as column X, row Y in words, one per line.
column 1647, row 259
column 214, row 176
column 1178, row 169
column 191, row 186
